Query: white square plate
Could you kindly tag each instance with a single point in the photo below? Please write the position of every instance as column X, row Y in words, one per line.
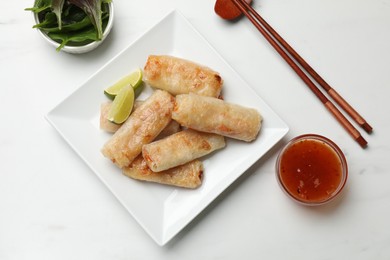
column 163, row 210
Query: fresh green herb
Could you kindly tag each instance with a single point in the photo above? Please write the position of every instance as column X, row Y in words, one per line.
column 93, row 8
column 73, row 22
column 49, row 21
column 57, row 6
column 75, row 38
column 39, row 6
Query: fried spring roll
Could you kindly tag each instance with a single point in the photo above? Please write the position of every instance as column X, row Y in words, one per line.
column 108, row 126
column 179, row 76
column 180, row 148
column 188, row 175
column 143, row 125
column 213, row 115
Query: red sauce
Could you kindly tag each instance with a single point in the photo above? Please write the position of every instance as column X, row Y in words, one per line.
column 310, row 170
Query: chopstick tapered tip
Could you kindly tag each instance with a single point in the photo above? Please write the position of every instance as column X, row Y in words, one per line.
column 367, row 127
column 361, row 141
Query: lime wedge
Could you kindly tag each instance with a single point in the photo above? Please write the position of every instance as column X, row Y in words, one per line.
column 122, row 105
column 134, row 79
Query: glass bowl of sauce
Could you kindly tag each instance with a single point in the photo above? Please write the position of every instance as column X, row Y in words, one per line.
column 311, row 169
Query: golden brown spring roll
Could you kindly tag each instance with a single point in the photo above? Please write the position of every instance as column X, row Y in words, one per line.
column 143, row 125
column 180, row 148
column 213, row 115
column 179, row 76
column 188, row 175
column 108, row 126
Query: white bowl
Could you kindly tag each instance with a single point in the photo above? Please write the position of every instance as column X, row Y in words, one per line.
column 82, row 48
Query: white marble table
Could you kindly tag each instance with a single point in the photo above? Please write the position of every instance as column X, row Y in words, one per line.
column 52, row 206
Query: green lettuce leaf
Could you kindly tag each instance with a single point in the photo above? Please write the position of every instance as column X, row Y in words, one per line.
column 49, row 21
column 93, row 8
column 39, row 6
column 77, row 37
column 57, row 6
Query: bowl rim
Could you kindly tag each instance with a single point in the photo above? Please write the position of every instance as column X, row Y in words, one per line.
column 82, row 48
column 334, row 147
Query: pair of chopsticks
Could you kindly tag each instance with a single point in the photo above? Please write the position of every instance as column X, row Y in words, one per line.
column 272, row 36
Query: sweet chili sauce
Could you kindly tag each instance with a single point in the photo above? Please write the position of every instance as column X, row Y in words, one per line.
column 312, row 169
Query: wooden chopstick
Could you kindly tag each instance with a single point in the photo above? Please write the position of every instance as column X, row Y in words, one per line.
column 332, row 92
column 258, row 21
